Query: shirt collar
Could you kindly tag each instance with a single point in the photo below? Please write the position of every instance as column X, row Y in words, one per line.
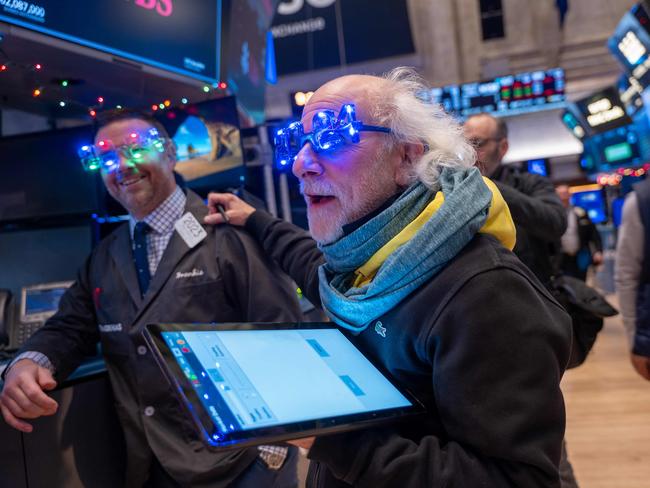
column 163, row 218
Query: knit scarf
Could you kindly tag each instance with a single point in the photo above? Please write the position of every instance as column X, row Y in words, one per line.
column 445, row 221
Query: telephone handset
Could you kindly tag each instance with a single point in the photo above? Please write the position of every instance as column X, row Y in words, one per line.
column 5, row 316
column 13, row 333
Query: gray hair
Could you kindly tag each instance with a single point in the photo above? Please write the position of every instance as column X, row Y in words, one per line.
column 414, row 121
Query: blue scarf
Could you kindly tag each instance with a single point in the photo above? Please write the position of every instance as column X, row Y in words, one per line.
column 462, row 214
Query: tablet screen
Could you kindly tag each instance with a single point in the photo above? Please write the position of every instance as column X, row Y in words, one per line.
column 248, row 381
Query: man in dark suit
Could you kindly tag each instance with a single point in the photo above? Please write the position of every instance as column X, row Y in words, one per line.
column 150, row 270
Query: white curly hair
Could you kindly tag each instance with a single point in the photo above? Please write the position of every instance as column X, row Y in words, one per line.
column 413, row 120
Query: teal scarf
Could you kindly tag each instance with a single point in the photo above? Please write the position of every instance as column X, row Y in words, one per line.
column 462, row 214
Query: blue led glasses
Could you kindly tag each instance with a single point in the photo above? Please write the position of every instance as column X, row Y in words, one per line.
column 105, row 154
column 328, row 133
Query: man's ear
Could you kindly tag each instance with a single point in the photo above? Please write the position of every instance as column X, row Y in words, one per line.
column 503, row 148
column 409, row 155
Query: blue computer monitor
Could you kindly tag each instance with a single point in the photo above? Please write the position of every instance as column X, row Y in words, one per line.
column 538, row 167
column 593, row 201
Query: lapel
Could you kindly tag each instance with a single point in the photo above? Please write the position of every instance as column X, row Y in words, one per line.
column 175, row 251
column 122, row 253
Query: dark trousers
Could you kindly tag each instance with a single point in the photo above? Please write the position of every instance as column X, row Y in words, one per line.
column 257, row 475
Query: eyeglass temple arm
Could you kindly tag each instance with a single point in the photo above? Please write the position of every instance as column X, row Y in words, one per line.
column 373, row 128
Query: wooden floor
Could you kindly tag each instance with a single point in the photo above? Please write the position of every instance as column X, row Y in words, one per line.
column 608, row 416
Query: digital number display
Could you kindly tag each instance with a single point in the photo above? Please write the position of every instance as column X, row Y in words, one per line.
column 506, row 95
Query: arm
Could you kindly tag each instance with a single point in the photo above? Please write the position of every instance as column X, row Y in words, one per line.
column 254, row 282
column 57, row 347
column 535, row 207
column 290, row 246
column 497, row 360
column 629, row 261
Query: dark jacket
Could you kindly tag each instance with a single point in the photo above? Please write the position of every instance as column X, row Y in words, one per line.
column 225, row 278
column 539, row 216
column 483, row 345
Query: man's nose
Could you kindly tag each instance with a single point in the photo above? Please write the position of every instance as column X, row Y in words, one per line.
column 123, row 162
column 306, row 163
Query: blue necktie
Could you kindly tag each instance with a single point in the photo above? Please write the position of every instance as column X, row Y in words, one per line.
column 140, row 255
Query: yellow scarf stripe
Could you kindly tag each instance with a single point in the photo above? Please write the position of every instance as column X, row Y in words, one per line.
column 499, row 224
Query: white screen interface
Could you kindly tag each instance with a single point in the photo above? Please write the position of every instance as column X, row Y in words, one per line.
column 262, row 378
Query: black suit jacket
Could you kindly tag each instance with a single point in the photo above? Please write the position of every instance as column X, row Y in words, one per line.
column 225, row 278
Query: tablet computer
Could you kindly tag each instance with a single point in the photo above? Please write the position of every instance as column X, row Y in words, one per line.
column 250, row 384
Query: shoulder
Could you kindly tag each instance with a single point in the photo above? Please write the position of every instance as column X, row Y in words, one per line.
column 120, row 233
column 484, row 266
column 233, row 241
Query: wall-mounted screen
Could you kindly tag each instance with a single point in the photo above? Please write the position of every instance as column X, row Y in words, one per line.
column 612, row 149
column 572, row 123
column 593, row 202
column 630, row 43
column 41, row 176
column 181, row 36
column 506, row 95
column 629, row 91
column 539, row 167
column 317, row 34
column 603, row 111
column 208, row 143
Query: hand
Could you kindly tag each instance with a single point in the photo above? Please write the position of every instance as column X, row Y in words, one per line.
column 23, row 396
column 236, row 209
column 305, row 442
column 641, row 365
column 597, row 258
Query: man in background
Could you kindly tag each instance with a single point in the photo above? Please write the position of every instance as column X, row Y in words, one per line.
column 581, row 243
column 149, row 271
column 538, row 214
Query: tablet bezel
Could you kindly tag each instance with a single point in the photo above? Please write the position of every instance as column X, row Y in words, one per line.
column 264, row 435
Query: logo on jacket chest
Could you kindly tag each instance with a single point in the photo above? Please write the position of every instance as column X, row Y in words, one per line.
column 110, row 327
column 181, row 275
column 380, row 329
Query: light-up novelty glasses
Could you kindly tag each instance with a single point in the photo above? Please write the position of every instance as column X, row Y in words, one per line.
column 105, row 154
column 328, row 133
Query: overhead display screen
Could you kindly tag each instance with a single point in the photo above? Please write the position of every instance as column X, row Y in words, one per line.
column 317, row 34
column 506, row 95
column 181, row 36
column 630, row 43
column 603, row 111
column 630, row 90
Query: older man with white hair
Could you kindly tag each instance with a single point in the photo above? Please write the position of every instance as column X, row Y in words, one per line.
column 411, row 256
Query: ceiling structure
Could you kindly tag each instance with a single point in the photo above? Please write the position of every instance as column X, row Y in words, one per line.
column 89, row 73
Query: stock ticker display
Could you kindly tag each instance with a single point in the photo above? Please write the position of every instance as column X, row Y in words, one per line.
column 505, row 95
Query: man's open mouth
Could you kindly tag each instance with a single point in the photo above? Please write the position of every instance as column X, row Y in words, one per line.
column 319, row 199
